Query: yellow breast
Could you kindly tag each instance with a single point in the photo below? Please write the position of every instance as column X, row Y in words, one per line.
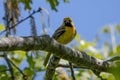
column 67, row 36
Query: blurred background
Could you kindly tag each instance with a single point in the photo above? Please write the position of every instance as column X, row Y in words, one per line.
column 97, row 24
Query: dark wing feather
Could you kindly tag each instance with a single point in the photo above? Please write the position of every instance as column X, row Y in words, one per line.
column 58, row 32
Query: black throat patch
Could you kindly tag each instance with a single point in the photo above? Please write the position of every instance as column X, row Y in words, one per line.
column 68, row 24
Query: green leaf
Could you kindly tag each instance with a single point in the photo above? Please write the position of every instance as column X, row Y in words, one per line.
column 27, row 4
column 3, row 72
column 3, row 67
column 29, row 72
column 66, row 1
column 118, row 49
column 31, row 61
column 4, row 77
column 53, row 4
column 22, row 54
column 84, row 44
column 118, row 28
column 107, row 76
column 77, row 38
column 106, row 30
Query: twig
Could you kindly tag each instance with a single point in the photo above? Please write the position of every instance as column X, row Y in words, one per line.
column 14, row 66
column 1, row 55
column 24, row 76
column 72, row 71
column 112, row 59
column 22, row 20
column 95, row 72
column 10, row 66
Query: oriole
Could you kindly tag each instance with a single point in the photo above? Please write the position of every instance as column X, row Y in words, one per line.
column 64, row 34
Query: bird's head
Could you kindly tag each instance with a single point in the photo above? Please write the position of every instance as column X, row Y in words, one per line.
column 68, row 22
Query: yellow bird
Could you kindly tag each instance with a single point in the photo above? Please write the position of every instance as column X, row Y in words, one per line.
column 64, row 34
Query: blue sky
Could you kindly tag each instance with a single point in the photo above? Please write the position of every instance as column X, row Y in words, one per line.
column 89, row 16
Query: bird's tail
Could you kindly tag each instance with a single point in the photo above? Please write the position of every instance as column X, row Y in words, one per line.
column 47, row 59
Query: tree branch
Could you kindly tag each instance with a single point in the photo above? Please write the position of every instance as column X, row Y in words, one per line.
column 46, row 43
column 51, row 67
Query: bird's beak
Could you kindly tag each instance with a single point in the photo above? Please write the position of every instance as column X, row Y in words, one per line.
column 67, row 22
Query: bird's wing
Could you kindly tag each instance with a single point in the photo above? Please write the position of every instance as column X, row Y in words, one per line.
column 58, row 32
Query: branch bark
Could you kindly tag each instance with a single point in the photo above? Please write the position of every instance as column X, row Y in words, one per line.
column 46, row 43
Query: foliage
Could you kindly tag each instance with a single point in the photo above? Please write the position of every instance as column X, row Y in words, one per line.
column 26, row 4
column 118, row 28
column 2, row 27
column 55, row 3
column 107, row 50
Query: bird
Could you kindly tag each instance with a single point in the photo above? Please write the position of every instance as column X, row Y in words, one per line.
column 63, row 35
